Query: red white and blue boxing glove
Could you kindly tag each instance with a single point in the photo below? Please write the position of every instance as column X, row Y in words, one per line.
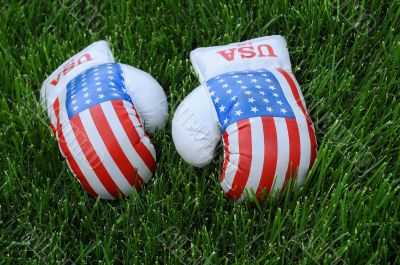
column 249, row 97
column 98, row 111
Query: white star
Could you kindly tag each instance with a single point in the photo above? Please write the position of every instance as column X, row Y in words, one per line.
column 233, row 98
column 269, row 109
column 88, row 101
column 222, row 108
column 99, row 89
column 96, row 73
column 110, row 72
column 212, row 93
column 226, row 121
column 262, row 93
column 85, row 89
column 101, row 96
column 108, row 67
column 86, row 95
column 112, row 84
column 254, row 109
column 283, row 110
column 98, row 83
column 265, row 100
column 247, row 92
column 216, row 100
column 113, row 89
column 272, row 87
column 238, row 112
column 221, row 80
column 251, row 100
column 275, row 95
column 235, row 76
column 97, row 78
column 236, row 104
column 258, row 86
column 115, row 94
column 279, row 102
column 239, row 81
column 243, row 87
column 73, row 96
column 268, row 80
column 225, row 85
column 73, row 101
column 254, row 80
column 75, row 108
column 264, row 75
column 218, row 77
column 110, row 77
column 229, row 91
column 250, row 75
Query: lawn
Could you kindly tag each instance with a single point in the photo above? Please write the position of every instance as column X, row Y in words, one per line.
column 346, row 56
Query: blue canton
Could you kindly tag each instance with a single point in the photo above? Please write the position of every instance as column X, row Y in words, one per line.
column 241, row 95
column 96, row 85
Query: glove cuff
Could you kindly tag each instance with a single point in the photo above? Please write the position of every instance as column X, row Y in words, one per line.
column 254, row 54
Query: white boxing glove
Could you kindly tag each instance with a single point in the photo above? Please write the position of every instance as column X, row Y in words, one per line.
column 97, row 109
column 249, row 97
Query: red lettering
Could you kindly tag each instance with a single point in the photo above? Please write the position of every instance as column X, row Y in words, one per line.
column 70, row 65
column 228, row 56
column 87, row 58
column 269, row 50
column 54, row 82
column 247, row 52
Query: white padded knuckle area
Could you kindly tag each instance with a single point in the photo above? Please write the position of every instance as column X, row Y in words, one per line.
column 263, row 52
column 195, row 130
column 95, row 54
column 148, row 97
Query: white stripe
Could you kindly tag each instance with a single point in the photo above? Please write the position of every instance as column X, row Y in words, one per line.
column 124, row 142
column 79, row 156
column 145, row 139
column 102, row 151
column 305, row 145
column 283, row 153
column 257, row 156
column 52, row 116
column 233, row 149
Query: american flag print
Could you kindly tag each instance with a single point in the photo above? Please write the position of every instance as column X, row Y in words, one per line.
column 267, row 133
column 100, row 133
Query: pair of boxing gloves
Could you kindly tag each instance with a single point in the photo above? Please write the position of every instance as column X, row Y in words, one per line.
column 100, row 112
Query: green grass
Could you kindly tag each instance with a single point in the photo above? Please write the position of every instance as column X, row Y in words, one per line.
column 346, row 213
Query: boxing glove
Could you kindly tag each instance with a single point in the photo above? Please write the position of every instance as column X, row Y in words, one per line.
column 249, row 97
column 98, row 110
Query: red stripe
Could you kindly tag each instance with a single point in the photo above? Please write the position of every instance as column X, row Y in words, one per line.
column 113, row 146
column 67, row 154
column 133, row 135
column 226, row 155
column 294, row 148
column 92, row 157
column 244, row 163
column 270, row 157
column 311, row 132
